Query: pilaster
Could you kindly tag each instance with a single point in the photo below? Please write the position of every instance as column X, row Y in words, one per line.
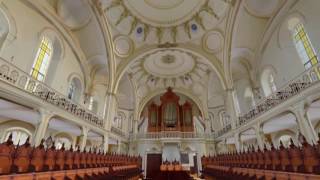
column 42, row 126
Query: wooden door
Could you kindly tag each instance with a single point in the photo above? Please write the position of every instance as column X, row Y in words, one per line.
column 153, row 165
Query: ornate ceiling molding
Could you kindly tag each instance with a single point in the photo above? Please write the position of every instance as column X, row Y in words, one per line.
column 204, row 15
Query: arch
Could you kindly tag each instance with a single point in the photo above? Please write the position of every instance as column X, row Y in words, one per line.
column 8, row 29
column 284, row 37
column 19, row 135
column 13, row 124
column 249, row 97
column 146, row 99
column 284, row 136
column 267, row 85
column 120, row 119
column 213, row 62
column 63, row 137
column 224, row 118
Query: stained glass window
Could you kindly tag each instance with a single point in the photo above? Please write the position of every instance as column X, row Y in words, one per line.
column 304, row 46
column 41, row 63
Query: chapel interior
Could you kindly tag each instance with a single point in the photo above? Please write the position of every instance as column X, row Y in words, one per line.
column 159, row 89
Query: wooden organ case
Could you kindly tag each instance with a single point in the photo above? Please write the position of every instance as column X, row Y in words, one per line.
column 170, row 115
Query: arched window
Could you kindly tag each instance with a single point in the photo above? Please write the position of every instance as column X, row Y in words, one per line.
column 267, row 81
column 285, row 139
column 93, row 105
column 303, row 44
column 42, row 60
column 19, row 136
column 224, row 119
column 248, row 95
column 71, row 91
column 74, row 91
column 272, row 84
column 63, row 140
column 4, row 29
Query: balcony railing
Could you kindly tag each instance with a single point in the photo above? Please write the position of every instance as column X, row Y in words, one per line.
column 118, row 131
column 223, row 130
column 294, row 87
column 172, row 135
column 11, row 74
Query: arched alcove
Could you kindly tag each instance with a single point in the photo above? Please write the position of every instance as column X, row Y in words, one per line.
column 267, row 80
column 75, row 89
column 4, row 29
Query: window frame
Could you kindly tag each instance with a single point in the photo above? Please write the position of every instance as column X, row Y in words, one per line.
column 42, row 59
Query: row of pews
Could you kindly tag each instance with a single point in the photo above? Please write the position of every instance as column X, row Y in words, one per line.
column 26, row 162
column 293, row 162
column 170, row 166
column 172, row 171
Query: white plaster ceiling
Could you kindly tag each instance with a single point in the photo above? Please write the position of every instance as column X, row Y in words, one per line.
column 170, row 68
column 164, row 13
column 262, row 8
column 13, row 111
column 74, row 13
column 155, row 21
column 286, row 121
column 9, row 110
column 168, row 64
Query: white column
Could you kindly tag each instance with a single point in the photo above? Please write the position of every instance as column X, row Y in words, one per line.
column 231, row 108
column 260, row 136
column 111, row 107
column 135, row 127
column 42, row 126
column 208, row 127
column 237, row 142
column 106, row 143
column 83, row 137
column 304, row 123
column 119, row 146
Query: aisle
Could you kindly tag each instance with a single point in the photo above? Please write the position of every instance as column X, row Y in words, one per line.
column 182, row 175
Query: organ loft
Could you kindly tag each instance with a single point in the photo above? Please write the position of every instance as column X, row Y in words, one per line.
column 159, row 89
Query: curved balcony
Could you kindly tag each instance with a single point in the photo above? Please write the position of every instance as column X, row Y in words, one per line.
column 16, row 77
column 290, row 90
column 171, row 135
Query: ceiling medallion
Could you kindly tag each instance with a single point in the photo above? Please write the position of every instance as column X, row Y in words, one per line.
column 164, row 13
column 123, row 46
column 164, row 4
column 168, row 59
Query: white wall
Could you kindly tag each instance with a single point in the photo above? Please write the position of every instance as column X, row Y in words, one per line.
column 22, row 51
column 281, row 52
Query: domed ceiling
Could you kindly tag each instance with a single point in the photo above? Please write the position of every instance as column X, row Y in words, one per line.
column 155, row 21
column 170, row 68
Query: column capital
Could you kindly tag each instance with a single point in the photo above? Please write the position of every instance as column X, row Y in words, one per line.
column 85, row 130
column 298, row 108
column 45, row 112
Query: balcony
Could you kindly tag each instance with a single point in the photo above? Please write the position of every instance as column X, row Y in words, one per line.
column 16, row 77
column 290, row 90
column 118, row 132
column 171, row 135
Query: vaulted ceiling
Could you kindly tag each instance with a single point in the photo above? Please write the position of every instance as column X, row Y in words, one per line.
column 199, row 47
